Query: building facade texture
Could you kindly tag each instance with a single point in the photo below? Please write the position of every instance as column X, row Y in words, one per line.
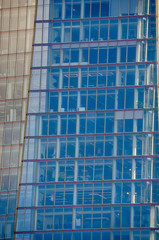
column 90, row 166
column 16, row 37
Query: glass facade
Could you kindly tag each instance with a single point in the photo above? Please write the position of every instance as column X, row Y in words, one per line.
column 16, row 37
column 90, row 164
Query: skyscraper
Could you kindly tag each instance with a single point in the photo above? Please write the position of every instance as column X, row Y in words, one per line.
column 90, row 162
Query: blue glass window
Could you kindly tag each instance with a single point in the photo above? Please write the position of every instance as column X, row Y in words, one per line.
column 87, row 220
column 100, row 123
column 97, row 199
column 119, row 145
column 127, row 169
column 130, row 76
column 102, row 55
column 68, row 194
column 145, row 216
column 56, row 35
column 129, row 98
column 75, row 32
column 126, row 194
column 109, row 146
column 112, row 55
column 47, row 236
column 105, row 8
column 122, row 54
column 68, row 10
column 113, row 29
column 110, row 99
column 131, row 54
column 106, row 217
column 86, row 9
column 125, row 217
column 76, row 10
column 107, row 191
column 116, row 217
column 120, row 99
column 95, row 9
column 67, row 236
column 132, row 31
column 58, row 236
column 136, row 212
column 93, row 55
column 123, row 8
column 95, row 235
column 67, row 31
column 128, row 145
column 77, row 236
column 100, row 99
column 128, row 125
column 114, row 10
column 74, row 55
column 103, row 30
column 91, row 100
column 57, row 11
column 94, row 30
column 109, row 122
column 88, row 170
column 151, row 52
column 86, row 235
column 124, row 30
column 105, row 235
column 111, row 76
column 133, row 7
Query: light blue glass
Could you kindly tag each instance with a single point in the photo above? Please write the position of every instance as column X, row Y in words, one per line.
column 123, row 8
column 114, row 10
column 57, row 11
